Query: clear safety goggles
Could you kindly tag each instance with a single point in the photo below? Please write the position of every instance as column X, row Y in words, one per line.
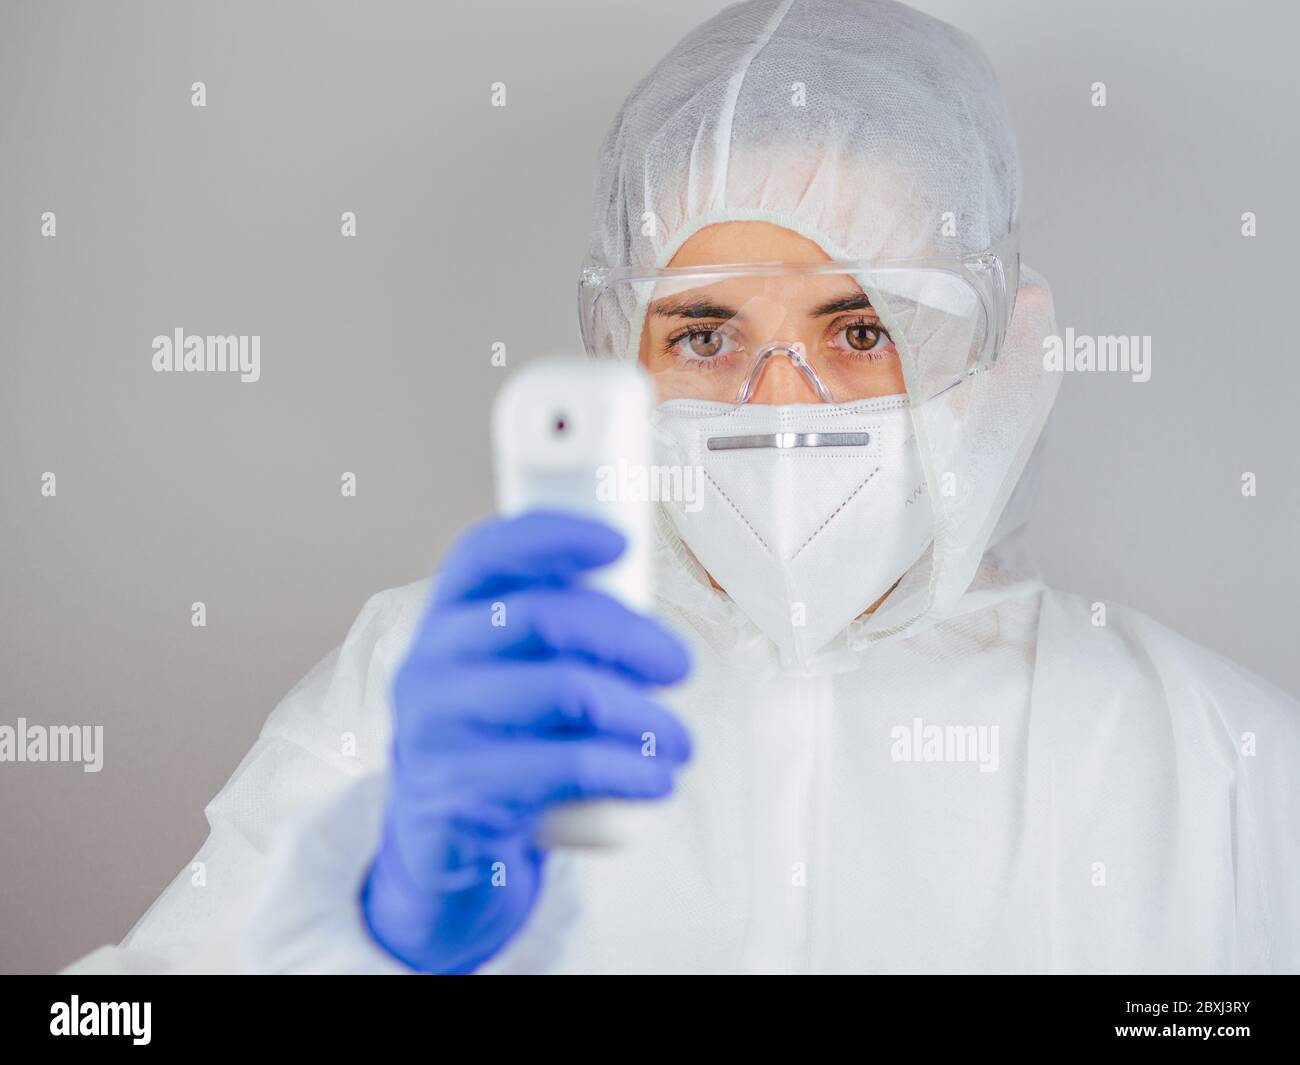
column 848, row 330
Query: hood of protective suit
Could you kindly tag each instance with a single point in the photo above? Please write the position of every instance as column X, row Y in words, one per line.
column 878, row 133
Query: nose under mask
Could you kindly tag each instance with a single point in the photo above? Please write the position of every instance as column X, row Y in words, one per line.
column 810, row 512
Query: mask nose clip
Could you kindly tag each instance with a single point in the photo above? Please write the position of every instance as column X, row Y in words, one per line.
column 798, row 359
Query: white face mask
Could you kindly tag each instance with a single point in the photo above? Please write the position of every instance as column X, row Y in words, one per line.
column 810, row 512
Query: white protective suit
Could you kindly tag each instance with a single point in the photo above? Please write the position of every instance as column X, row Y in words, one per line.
column 1120, row 800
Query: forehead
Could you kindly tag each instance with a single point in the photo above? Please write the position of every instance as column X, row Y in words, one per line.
column 747, row 242
column 795, row 294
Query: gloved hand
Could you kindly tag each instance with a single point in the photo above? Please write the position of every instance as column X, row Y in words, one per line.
column 521, row 689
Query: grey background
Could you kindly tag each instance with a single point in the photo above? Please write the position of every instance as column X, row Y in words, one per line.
column 472, row 220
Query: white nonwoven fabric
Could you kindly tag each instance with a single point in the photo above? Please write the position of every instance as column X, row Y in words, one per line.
column 873, row 130
column 1120, row 828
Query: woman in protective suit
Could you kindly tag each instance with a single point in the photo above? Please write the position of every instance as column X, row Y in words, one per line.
column 906, row 753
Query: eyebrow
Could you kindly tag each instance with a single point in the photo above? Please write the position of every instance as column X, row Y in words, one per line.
column 859, row 301
column 690, row 308
column 702, row 308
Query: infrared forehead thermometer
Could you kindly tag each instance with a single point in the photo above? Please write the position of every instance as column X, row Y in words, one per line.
column 561, row 429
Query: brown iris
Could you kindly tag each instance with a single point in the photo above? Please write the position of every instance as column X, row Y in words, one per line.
column 863, row 337
column 705, row 343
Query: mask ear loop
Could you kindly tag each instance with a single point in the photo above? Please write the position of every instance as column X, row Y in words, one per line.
column 795, row 353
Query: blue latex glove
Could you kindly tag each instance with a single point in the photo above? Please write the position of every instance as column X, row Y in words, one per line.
column 494, row 723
